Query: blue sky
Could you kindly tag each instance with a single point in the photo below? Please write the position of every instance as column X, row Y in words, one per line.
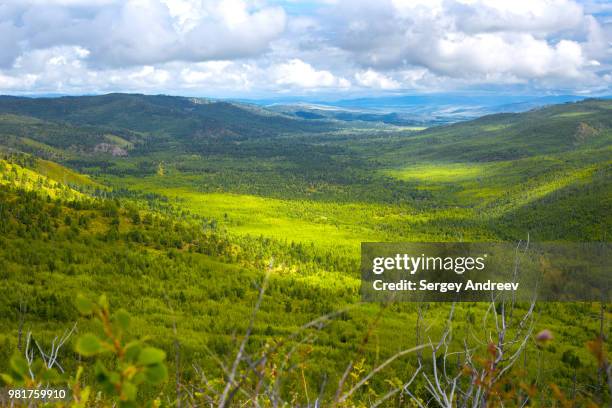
column 326, row 48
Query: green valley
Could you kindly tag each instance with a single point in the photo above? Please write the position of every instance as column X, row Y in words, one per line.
column 181, row 210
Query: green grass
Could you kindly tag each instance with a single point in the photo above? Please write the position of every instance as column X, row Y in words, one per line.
column 64, row 175
column 327, row 225
column 573, row 114
column 440, row 172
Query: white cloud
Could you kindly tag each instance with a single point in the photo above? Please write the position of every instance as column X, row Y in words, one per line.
column 533, row 16
column 242, row 46
column 523, row 39
column 226, row 75
column 522, row 56
column 297, row 73
column 373, row 79
column 142, row 31
column 17, row 83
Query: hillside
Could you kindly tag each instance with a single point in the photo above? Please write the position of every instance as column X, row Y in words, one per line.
column 413, row 110
column 98, row 133
column 179, row 117
column 511, row 136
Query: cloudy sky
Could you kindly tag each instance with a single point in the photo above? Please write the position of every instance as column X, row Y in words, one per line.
column 259, row 48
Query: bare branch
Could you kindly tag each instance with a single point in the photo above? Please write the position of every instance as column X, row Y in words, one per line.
column 378, row 368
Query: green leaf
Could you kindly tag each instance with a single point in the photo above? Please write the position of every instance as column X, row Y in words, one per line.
column 114, row 377
column 129, row 390
column 6, row 379
column 156, row 373
column 103, row 378
column 49, row 375
column 84, row 305
column 19, row 365
column 139, row 378
column 122, row 319
column 103, row 302
column 101, row 372
column 132, row 351
column 88, row 345
column 151, row 355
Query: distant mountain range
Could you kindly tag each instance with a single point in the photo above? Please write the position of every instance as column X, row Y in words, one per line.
column 400, row 110
column 413, row 110
column 122, row 124
column 198, row 120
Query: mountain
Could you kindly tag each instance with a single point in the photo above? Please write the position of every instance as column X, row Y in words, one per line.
column 131, row 124
column 508, row 136
column 415, row 110
column 179, row 117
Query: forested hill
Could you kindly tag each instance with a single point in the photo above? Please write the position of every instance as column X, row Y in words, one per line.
column 511, row 136
column 120, row 123
column 159, row 114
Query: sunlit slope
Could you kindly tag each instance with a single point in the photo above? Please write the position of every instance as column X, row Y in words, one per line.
column 55, row 243
column 65, row 175
column 29, row 179
column 546, row 172
column 579, row 211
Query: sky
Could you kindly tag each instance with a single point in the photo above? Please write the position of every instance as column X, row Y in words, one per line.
column 342, row 48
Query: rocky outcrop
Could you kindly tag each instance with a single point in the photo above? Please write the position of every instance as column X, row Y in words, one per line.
column 109, row 148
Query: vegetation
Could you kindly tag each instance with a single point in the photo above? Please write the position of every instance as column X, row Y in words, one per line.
column 231, row 235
